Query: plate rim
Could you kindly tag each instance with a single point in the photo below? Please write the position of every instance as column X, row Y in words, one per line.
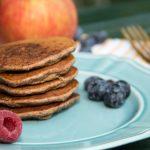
column 137, row 65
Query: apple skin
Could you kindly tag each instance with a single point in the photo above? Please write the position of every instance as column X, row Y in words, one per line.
column 26, row 19
column 1, row 40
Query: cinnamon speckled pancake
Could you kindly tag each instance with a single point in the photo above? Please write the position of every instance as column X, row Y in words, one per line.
column 30, row 54
column 43, row 111
column 40, row 88
column 60, row 94
column 15, row 79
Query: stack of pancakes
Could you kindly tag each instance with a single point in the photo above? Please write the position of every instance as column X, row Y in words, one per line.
column 37, row 77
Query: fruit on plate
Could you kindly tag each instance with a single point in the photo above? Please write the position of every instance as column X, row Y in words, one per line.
column 23, row 19
column 88, row 40
column 10, row 126
column 113, row 94
column 115, row 97
column 96, row 88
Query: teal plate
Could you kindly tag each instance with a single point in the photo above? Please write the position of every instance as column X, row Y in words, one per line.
column 88, row 124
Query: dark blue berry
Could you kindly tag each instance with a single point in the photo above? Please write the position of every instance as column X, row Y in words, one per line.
column 118, row 89
column 94, row 95
column 104, row 86
column 90, row 42
column 109, row 86
column 93, row 87
column 100, row 37
column 114, row 97
column 114, row 100
column 87, row 41
column 125, row 87
column 92, row 80
column 96, row 88
column 94, row 84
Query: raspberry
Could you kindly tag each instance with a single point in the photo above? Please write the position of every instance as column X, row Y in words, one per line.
column 10, row 126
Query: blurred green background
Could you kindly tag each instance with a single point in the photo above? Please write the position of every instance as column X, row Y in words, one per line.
column 111, row 15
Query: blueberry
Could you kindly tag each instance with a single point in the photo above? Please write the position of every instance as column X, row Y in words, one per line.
column 78, row 34
column 92, row 86
column 97, row 87
column 91, row 80
column 118, row 88
column 87, row 41
column 93, row 94
column 109, row 86
column 100, row 37
column 114, row 100
column 104, row 87
column 115, row 96
column 125, row 86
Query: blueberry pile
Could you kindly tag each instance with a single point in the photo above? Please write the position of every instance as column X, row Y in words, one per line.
column 113, row 94
column 87, row 41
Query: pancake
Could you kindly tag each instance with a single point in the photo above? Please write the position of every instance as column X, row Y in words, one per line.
column 43, row 111
column 40, row 88
column 37, row 76
column 60, row 94
column 30, row 54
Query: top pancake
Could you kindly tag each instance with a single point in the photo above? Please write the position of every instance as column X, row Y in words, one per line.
column 30, row 54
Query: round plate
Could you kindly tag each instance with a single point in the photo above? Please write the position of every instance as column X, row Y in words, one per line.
column 74, row 124
column 89, row 124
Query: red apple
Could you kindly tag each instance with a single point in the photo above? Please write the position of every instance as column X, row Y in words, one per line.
column 1, row 40
column 24, row 19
